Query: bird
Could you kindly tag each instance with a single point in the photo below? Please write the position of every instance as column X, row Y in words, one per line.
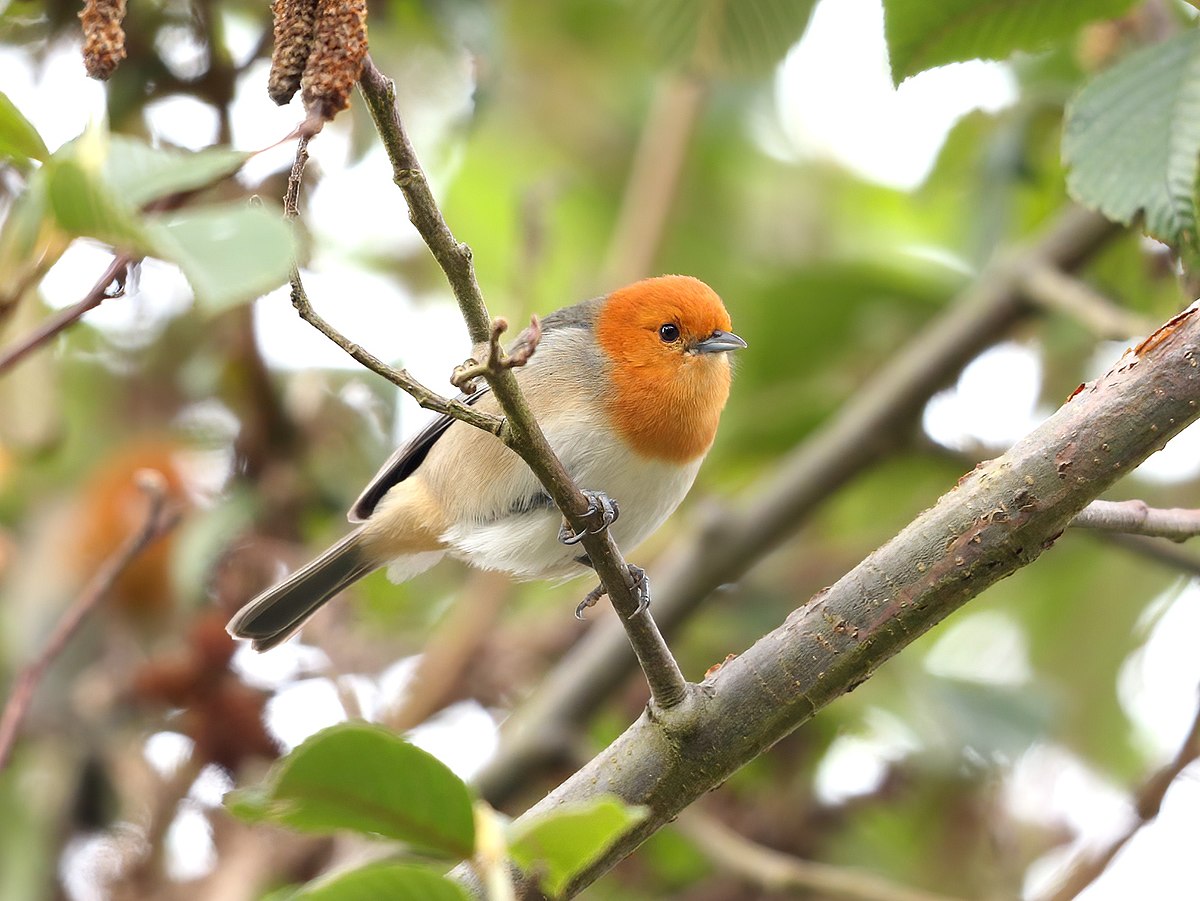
column 627, row 387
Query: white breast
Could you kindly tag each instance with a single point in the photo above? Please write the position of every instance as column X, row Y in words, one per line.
column 527, row 544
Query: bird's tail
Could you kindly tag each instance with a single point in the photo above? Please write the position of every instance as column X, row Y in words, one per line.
column 279, row 611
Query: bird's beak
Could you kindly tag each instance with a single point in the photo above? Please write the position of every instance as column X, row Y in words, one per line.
column 719, row 342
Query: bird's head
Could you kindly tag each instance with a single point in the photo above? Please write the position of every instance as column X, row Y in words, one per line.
column 666, row 341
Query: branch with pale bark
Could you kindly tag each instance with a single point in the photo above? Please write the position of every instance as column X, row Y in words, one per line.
column 999, row 518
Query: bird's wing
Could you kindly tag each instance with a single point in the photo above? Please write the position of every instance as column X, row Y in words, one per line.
column 408, row 457
column 401, row 464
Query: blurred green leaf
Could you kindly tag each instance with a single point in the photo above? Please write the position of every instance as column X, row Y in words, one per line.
column 19, row 140
column 923, row 35
column 230, row 253
column 138, row 173
column 82, row 201
column 1132, row 140
column 395, row 882
column 989, row 719
column 747, row 37
column 561, row 843
column 365, row 778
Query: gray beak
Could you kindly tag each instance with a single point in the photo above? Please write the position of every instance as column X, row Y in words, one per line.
column 719, row 342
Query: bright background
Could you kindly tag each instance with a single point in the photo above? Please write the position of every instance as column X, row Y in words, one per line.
column 834, row 213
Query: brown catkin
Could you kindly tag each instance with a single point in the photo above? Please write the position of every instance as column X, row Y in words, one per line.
column 294, row 23
column 103, row 36
column 336, row 61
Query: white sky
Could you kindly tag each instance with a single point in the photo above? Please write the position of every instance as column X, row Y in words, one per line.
column 834, row 100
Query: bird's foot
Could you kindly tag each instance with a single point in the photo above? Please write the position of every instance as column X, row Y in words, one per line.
column 641, row 586
column 602, row 511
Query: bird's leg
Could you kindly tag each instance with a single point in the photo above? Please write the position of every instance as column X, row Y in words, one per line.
column 641, row 585
column 601, row 507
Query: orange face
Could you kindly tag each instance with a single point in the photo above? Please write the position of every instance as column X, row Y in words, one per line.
column 666, row 340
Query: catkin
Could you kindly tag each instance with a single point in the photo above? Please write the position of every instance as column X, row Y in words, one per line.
column 336, row 61
column 295, row 21
column 103, row 36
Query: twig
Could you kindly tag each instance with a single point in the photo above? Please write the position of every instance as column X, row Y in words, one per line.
column 428, row 399
column 160, row 518
column 1086, row 869
column 871, row 424
column 1049, row 287
column 497, row 359
column 1136, row 517
column 775, row 871
column 521, row 432
column 117, row 271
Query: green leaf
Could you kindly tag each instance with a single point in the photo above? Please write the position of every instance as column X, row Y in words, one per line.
column 230, row 253
column 747, row 37
column 362, row 777
column 19, row 140
column 561, row 843
column 139, row 173
column 1132, row 139
column 395, row 882
column 83, row 205
column 922, row 35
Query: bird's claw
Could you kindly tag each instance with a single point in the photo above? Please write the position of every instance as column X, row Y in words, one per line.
column 641, row 586
column 600, row 506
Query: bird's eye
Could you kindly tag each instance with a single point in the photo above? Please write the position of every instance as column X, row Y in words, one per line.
column 669, row 332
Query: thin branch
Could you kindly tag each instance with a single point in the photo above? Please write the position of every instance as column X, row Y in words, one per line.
column 997, row 519
column 521, row 432
column 117, row 271
column 1160, row 551
column 1086, row 869
column 775, row 871
column 869, row 426
column 1051, row 288
column 160, row 518
column 427, row 398
column 1136, row 517
column 497, row 360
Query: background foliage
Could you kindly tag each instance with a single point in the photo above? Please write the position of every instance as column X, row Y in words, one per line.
column 573, row 145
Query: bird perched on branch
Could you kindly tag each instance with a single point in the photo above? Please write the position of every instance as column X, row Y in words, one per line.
column 628, row 389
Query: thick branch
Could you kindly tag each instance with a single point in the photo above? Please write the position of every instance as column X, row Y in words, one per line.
column 1086, row 869
column 871, row 425
column 997, row 519
column 521, row 431
column 1138, row 518
column 159, row 519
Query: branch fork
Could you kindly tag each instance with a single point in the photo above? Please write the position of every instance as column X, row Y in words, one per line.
column 465, row 377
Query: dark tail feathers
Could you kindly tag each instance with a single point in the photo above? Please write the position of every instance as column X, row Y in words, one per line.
column 274, row 615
